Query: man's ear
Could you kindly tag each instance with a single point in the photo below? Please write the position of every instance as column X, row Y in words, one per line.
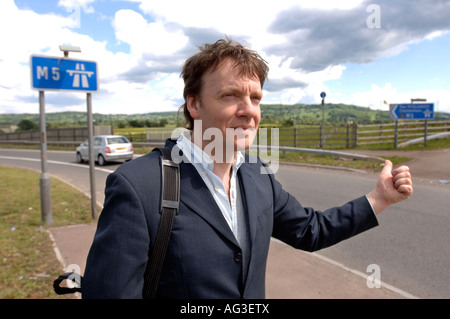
column 193, row 105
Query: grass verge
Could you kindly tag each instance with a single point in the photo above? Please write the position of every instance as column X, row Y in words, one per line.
column 28, row 261
column 340, row 161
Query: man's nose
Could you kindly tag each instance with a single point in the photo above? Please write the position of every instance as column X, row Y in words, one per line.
column 248, row 108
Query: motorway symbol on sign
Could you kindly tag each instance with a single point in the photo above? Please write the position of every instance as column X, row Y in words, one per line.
column 63, row 74
column 410, row 111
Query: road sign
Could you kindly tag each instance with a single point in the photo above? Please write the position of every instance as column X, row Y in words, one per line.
column 63, row 74
column 322, row 95
column 411, row 111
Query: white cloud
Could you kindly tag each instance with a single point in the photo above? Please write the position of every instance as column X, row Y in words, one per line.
column 376, row 96
column 144, row 37
column 232, row 16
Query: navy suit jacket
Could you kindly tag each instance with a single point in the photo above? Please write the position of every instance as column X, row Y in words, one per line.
column 204, row 259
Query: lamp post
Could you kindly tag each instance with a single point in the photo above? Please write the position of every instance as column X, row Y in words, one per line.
column 66, row 49
column 44, row 179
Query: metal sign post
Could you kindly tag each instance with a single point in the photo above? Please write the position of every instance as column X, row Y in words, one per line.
column 44, row 180
column 63, row 74
column 91, row 155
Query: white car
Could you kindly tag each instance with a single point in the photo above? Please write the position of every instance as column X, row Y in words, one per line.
column 107, row 148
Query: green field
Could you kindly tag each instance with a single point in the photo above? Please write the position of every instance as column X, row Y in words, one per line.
column 28, row 261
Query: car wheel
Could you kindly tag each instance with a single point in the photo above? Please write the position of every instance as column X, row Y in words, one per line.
column 79, row 158
column 101, row 160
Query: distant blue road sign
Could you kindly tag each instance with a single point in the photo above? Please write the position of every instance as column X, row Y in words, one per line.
column 322, row 95
column 63, row 74
column 419, row 111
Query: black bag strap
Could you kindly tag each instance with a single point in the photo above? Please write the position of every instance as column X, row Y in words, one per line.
column 170, row 198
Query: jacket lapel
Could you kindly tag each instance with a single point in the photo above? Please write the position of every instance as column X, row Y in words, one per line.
column 249, row 198
column 195, row 194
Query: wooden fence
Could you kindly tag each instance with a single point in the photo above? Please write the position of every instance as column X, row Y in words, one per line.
column 406, row 130
column 340, row 136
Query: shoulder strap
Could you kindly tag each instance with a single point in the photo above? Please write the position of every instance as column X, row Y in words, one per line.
column 170, row 197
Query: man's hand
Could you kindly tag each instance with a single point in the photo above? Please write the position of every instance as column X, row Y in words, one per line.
column 392, row 187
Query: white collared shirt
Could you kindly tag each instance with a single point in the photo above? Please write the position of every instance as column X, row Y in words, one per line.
column 231, row 207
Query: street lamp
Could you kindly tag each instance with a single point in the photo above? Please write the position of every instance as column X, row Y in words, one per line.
column 69, row 48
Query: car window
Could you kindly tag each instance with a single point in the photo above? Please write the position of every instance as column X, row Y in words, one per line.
column 117, row 140
column 97, row 142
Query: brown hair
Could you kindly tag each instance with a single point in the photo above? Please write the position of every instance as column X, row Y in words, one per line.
column 248, row 62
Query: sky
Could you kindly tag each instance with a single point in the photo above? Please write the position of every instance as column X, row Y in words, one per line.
column 366, row 53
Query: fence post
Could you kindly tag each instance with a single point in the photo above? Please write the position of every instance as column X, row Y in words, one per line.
column 396, row 134
column 322, row 140
column 355, row 134
column 295, row 136
column 381, row 133
column 347, row 139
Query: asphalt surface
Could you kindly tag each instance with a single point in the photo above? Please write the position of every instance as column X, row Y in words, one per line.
column 310, row 276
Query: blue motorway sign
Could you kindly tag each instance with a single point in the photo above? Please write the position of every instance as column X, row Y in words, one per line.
column 419, row 111
column 63, row 74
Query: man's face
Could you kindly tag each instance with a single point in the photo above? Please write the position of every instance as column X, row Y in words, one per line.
column 228, row 100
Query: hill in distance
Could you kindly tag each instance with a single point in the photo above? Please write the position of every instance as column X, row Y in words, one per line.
column 270, row 114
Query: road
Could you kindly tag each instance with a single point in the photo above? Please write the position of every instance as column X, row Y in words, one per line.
column 410, row 246
column 61, row 164
column 411, row 243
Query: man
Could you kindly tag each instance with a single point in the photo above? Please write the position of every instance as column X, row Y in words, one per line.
column 230, row 204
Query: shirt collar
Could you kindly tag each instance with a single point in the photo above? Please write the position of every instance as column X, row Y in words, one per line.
column 197, row 157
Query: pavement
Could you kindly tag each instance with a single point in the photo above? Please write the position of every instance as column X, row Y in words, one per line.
column 310, row 275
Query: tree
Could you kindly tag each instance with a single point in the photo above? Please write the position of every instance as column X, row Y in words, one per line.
column 163, row 122
column 27, row 125
column 136, row 123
